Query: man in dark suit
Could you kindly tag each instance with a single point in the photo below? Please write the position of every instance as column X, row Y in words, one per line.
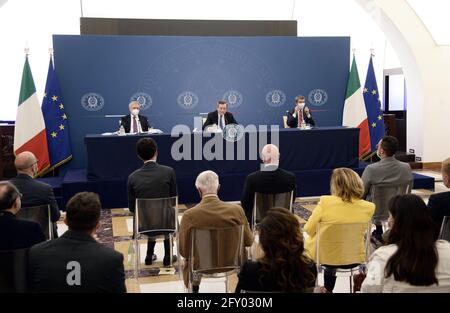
column 270, row 179
column 439, row 203
column 134, row 123
column 76, row 262
column 300, row 114
column 15, row 233
column 151, row 181
column 34, row 192
column 220, row 117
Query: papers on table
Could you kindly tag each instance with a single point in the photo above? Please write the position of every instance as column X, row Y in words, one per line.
column 150, row 131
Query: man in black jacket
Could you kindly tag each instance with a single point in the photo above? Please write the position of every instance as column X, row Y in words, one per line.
column 300, row 114
column 220, row 117
column 134, row 122
column 76, row 262
column 439, row 203
column 151, row 181
column 34, row 192
column 15, row 233
column 270, row 179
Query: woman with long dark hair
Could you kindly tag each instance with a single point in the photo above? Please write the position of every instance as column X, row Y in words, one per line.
column 283, row 267
column 413, row 261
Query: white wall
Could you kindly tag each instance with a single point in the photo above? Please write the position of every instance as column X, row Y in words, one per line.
column 427, row 72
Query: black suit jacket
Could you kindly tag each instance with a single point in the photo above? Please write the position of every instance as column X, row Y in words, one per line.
column 213, row 118
column 37, row 193
column 16, row 233
column 293, row 121
column 101, row 268
column 276, row 181
column 152, row 180
column 125, row 121
column 439, row 205
column 252, row 279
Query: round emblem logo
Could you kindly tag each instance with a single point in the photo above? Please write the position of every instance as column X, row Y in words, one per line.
column 318, row 97
column 144, row 100
column 233, row 132
column 187, row 100
column 92, row 101
column 233, row 97
column 275, row 98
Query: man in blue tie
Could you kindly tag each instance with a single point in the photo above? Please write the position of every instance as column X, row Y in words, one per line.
column 220, row 117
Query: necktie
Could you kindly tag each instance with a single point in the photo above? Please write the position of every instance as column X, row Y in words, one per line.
column 221, row 122
column 300, row 118
column 135, row 126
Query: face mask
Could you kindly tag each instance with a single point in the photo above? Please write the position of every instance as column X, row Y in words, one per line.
column 301, row 105
column 378, row 154
column 135, row 111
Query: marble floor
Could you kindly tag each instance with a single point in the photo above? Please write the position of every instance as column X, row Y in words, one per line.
column 116, row 230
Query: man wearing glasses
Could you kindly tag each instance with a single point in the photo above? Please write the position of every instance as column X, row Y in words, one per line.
column 34, row 192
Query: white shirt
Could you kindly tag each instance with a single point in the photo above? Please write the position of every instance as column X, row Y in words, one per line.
column 376, row 282
column 135, row 120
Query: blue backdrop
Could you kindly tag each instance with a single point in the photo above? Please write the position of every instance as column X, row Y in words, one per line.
column 177, row 78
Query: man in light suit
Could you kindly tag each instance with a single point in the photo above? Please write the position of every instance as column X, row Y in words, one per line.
column 151, row 181
column 300, row 114
column 439, row 203
column 211, row 212
column 34, row 192
column 270, row 179
column 387, row 170
column 134, row 122
column 220, row 117
column 76, row 262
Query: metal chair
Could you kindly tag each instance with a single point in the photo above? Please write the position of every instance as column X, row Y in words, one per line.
column 345, row 242
column 381, row 194
column 445, row 229
column 41, row 215
column 14, row 271
column 154, row 218
column 217, row 252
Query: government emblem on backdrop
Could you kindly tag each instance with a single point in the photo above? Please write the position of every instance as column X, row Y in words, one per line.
column 144, row 100
column 187, row 100
column 318, row 97
column 92, row 101
column 275, row 98
column 233, row 97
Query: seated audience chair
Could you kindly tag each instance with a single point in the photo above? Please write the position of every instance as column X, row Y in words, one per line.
column 41, row 215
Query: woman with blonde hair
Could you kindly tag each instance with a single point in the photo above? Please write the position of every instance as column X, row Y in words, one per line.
column 344, row 206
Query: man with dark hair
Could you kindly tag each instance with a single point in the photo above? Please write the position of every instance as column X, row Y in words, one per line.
column 439, row 203
column 76, row 262
column 151, row 181
column 300, row 114
column 387, row 171
column 15, row 233
column 34, row 192
column 220, row 117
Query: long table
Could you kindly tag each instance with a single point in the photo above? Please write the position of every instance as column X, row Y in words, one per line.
column 113, row 158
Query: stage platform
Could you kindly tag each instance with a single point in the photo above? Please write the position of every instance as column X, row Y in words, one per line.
column 113, row 193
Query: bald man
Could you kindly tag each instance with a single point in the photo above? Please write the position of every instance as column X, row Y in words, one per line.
column 270, row 179
column 34, row 192
column 134, row 122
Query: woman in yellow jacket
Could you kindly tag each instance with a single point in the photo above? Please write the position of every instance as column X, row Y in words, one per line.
column 344, row 206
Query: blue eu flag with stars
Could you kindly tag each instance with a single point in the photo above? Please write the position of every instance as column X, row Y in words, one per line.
column 373, row 107
column 56, row 124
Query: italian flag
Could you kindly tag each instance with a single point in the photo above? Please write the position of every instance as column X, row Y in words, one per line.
column 29, row 131
column 355, row 114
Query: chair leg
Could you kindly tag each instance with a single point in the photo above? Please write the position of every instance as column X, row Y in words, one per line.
column 351, row 281
column 226, row 284
column 171, row 249
column 136, row 256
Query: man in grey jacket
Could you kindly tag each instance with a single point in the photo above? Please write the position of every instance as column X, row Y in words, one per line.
column 388, row 170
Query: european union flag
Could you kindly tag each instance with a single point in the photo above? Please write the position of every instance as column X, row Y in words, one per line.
column 373, row 108
column 56, row 123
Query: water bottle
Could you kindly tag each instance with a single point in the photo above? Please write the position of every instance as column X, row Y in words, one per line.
column 121, row 129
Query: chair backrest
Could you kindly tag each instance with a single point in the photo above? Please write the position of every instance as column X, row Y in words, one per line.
column 14, row 271
column 342, row 244
column 265, row 201
column 216, row 250
column 445, row 229
column 381, row 194
column 285, row 118
column 41, row 215
column 156, row 216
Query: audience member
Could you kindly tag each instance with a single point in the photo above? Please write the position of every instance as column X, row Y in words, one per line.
column 439, row 203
